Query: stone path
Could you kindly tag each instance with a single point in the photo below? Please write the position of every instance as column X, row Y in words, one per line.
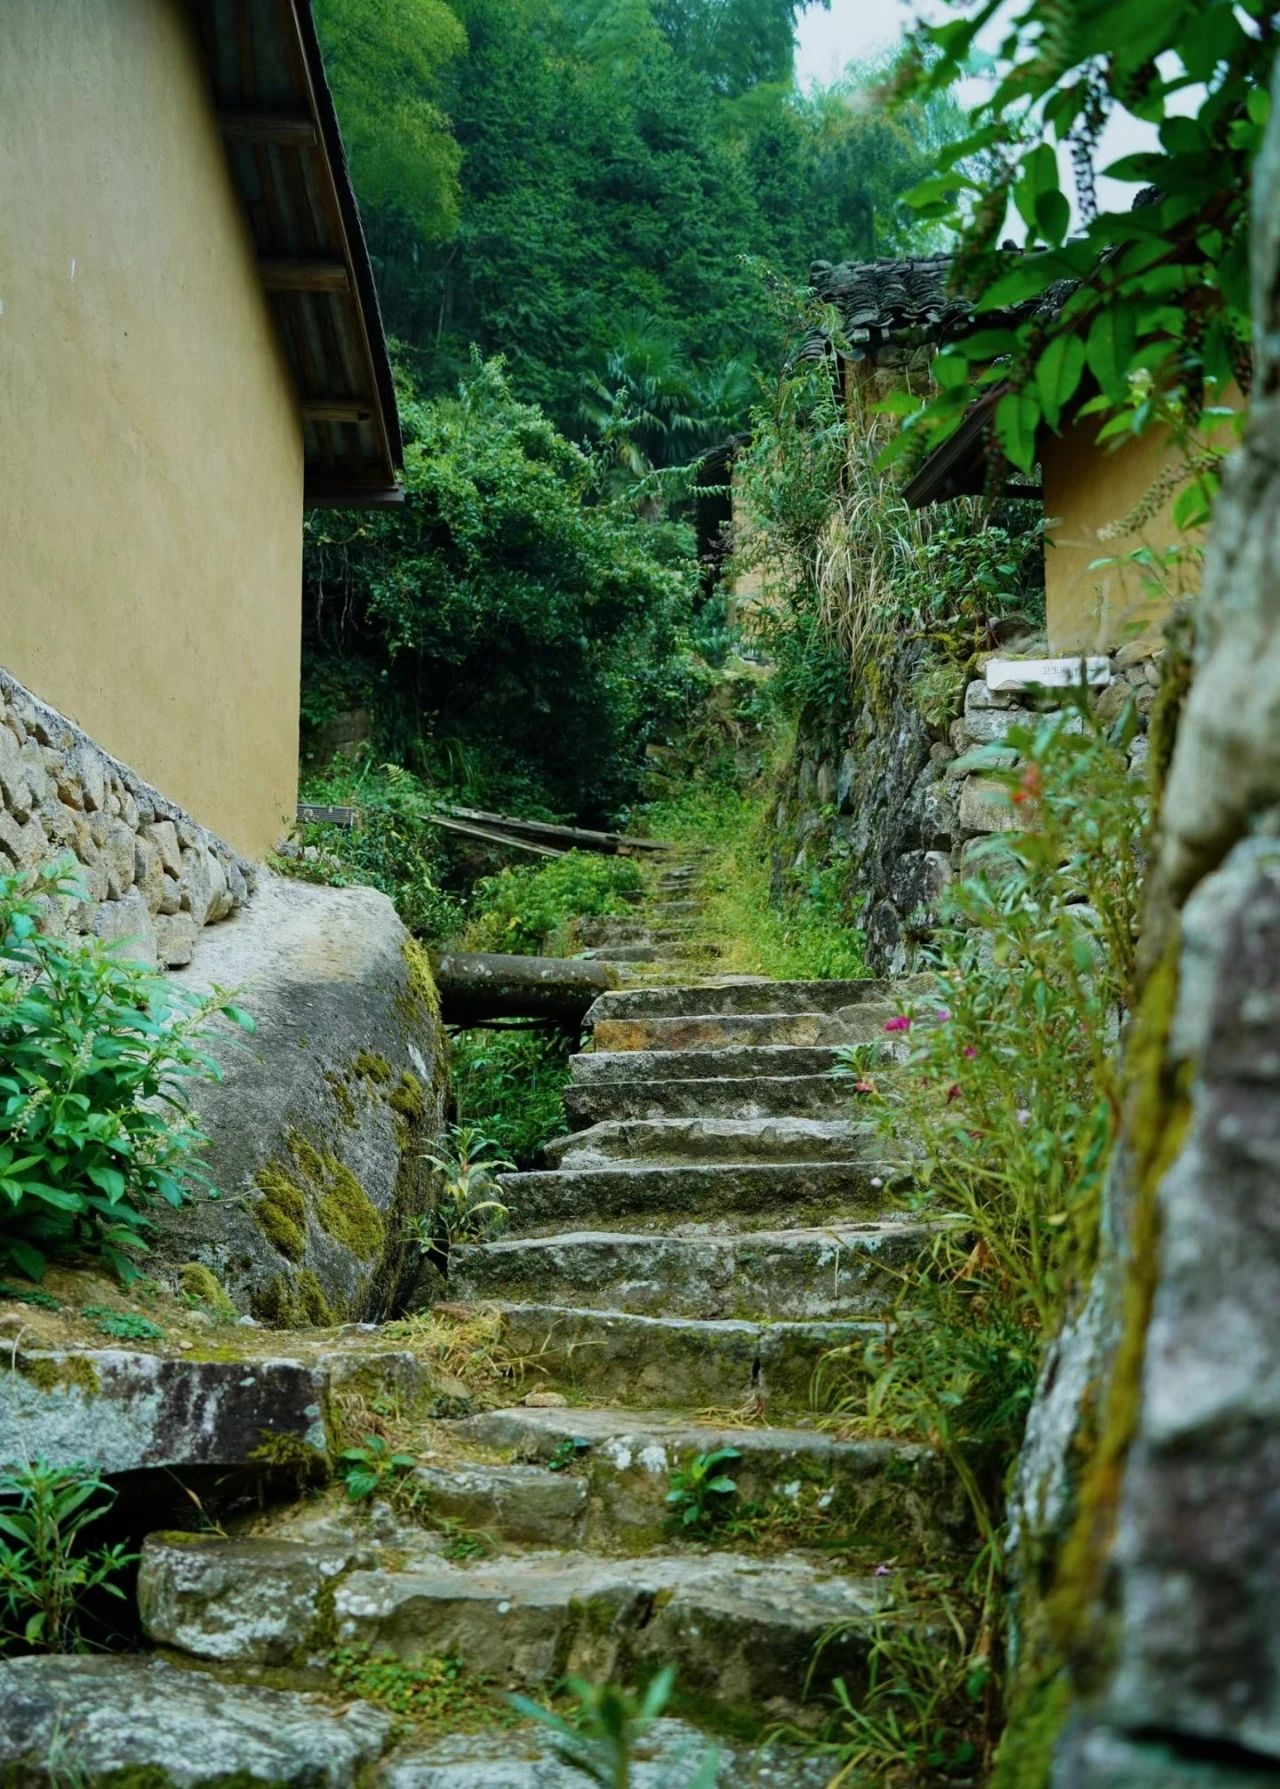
column 715, row 1223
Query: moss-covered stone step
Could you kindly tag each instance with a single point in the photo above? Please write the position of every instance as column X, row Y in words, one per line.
column 683, row 951
column 737, row 1062
column 783, row 1096
column 667, row 1756
column 631, row 931
column 675, row 907
column 796, row 1486
column 677, row 1140
column 521, row 1503
column 656, row 1362
column 741, row 1631
column 862, row 1024
column 789, row 1195
column 113, row 1718
column 797, row 1274
column 753, row 994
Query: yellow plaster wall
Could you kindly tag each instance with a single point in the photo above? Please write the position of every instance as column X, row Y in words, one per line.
column 150, row 444
column 1086, row 488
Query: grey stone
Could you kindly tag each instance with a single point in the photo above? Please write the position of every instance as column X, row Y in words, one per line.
column 164, row 835
column 91, row 1719
column 148, row 871
column 845, row 781
column 202, row 1599
column 989, row 858
column 827, row 779
column 170, row 900
column 83, row 782
column 118, row 855
column 13, row 778
column 978, row 695
column 917, row 883
column 58, row 822
column 700, row 1138
column 523, row 1503
column 329, row 977
column 203, row 885
column 125, row 923
column 985, row 807
column 175, row 935
column 1099, row 1758
column 24, row 845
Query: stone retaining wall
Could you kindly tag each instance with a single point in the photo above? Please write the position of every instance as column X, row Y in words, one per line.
column 151, row 874
column 894, row 799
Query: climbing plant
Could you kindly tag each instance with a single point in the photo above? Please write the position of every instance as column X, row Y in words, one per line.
column 1131, row 313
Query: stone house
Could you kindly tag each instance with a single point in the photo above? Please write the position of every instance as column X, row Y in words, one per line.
column 190, row 353
column 892, row 316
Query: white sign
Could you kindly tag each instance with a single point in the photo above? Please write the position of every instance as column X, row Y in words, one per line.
column 1046, row 673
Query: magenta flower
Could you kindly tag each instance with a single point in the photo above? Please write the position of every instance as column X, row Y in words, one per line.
column 970, row 1050
column 901, row 1023
column 953, row 1092
column 942, row 1015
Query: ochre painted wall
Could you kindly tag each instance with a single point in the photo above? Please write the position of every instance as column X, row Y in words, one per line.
column 1085, row 489
column 150, row 444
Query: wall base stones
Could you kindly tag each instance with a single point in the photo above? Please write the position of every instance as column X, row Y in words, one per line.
column 151, row 876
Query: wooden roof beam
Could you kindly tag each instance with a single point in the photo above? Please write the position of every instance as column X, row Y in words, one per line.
column 289, row 275
column 290, row 130
column 337, row 409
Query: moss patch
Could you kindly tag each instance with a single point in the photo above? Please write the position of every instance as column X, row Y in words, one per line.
column 281, row 1212
column 343, row 1099
column 201, row 1287
column 347, row 1213
column 372, row 1067
column 71, row 1370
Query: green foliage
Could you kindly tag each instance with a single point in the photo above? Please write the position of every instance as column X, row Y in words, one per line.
column 386, row 60
column 568, row 1452
column 470, row 1206
column 429, row 1691
column 94, row 1055
column 372, row 1469
column 1159, row 298
column 47, row 1571
column 601, row 1734
column 511, row 1084
column 521, row 642
column 393, row 847
column 521, row 910
column 1008, row 1109
column 122, row 1326
column 794, row 928
column 702, row 1493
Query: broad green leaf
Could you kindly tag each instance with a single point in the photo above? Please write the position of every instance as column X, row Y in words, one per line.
column 1058, row 374
column 1109, row 350
column 1016, row 417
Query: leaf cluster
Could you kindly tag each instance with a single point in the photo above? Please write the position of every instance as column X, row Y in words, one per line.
column 48, row 1572
column 521, row 910
column 701, row 1490
column 600, row 1735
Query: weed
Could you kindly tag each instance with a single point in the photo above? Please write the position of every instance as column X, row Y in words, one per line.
column 511, row 1084
column 470, row 1207
column 700, row 1491
column 467, row 1345
column 33, row 1295
column 601, row 1732
column 433, row 1691
column 567, row 1452
column 521, row 910
column 462, row 1543
column 46, row 1571
column 372, row 1468
column 122, row 1326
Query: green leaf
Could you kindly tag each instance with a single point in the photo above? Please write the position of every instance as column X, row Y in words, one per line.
column 1109, row 350
column 1016, row 419
column 1058, row 374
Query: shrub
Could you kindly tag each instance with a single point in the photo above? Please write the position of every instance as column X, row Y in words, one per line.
column 521, row 910
column 46, row 1571
column 511, row 1084
column 94, row 1054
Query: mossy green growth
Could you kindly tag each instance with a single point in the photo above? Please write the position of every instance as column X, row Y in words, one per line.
column 421, row 992
column 1024, row 1757
column 201, row 1287
column 67, row 1372
column 344, row 1099
column 408, row 1098
column 283, row 1452
column 281, row 1213
column 372, row 1067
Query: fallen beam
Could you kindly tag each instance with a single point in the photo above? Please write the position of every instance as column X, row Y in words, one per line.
column 477, row 987
column 569, row 838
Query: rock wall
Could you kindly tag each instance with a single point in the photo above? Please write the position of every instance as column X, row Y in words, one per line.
column 151, row 874
column 892, row 796
column 1147, row 1511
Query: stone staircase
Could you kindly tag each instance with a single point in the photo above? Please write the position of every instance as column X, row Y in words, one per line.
column 715, row 1223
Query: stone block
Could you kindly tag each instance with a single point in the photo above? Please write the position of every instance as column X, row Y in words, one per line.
column 1011, row 674
column 82, row 781
column 980, row 695
column 164, row 836
column 24, row 845
column 13, row 780
column 277, row 1615
column 175, row 936
column 846, row 779
column 985, row 806
column 203, row 885
column 827, row 779
column 118, row 858
column 917, row 882
column 125, row 923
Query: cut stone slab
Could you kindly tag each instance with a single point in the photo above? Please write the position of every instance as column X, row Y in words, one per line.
column 1006, row 674
column 261, row 1602
column 521, row 1503
column 783, row 1096
column 97, row 1718
column 751, row 995
column 874, row 1496
column 319, row 1124
column 791, row 1194
column 859, row 1024
column 742, row 1062
column 651, row 1362
column 667, row 1756
column 677, row 1140
column 741, row 1632
column 798, row 1274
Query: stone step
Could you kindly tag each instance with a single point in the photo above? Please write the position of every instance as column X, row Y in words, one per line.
column 878, row 1498
column 652, row 1362
column 676, row 908
column 862, row 1024
column 667, row 1756
column 756, row 994
column 684, row 951
column 737, row 1062
column 676, row 1140
column 742, row 1632
column 794, row 1194
column 779, row 1096
column 629, row 931
column 117, row 1718
column 800, row 1274
column 521, row 1503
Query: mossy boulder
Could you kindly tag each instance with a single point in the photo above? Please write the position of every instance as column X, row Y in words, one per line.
column 320, row 1122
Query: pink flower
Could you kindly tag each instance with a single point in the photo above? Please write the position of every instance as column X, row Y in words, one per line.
column 1022, row 1115
column 942, row 1015
column 953, row 1092
column 970, row 1050
column 884, row 1571
column 901, row 1023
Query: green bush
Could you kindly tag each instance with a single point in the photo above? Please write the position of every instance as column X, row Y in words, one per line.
column 94, row 1054
column 511, row 1084
column 46, row 1571
column 394, row 847
column 520, row 911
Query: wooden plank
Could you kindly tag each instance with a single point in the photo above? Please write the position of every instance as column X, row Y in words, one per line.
column 568, row 837
column 285, row 274
column 288, row 129
column 313, row 813
column 337, row 409
column 490, row 835
column 329, row 494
